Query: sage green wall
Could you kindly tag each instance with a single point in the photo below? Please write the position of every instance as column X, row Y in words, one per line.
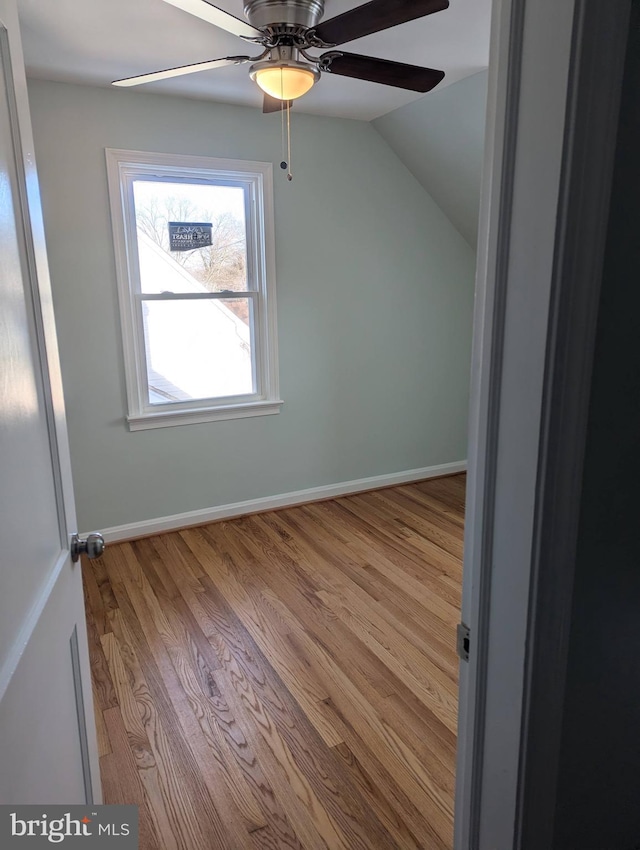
column 375, row 291
column 440, row 138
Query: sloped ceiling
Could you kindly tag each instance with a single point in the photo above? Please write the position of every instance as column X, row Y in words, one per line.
column 440, row 138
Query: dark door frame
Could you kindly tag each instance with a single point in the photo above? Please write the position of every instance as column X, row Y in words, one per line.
column 554, row 90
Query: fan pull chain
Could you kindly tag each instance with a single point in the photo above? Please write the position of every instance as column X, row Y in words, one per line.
column 290, row 173
column 283, row 165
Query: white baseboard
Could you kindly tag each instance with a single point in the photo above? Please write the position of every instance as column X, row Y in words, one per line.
column 268, row 503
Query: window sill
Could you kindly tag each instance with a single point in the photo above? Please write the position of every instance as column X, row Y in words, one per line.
column 170, row 418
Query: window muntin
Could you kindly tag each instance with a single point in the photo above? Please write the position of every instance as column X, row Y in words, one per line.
column 198, row 324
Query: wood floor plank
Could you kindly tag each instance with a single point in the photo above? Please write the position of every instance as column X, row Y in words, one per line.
column 163, row 660
column 422, row 543
column 226, row 722
column 164, row 590
column 451, row 489
column 378, row 630
column 161, row 809
column 265, row 839
column 434, row 570
column 352, row 703
column 297, row 828
column 400, row 595
column 350, row 699
column 103, row 690
column 288, row 680
column 435, row 689
column 102, row 736
column 438, row 504
column 387, row 810
column 331, row 523
column 201, row 704
column 306, row 613
column 380, row 771
column 385, row 639
column 416, row 512
column 101, row 577
column 121, row 784
column 93, row 598
column 270, row 637
column 376, row 523
column 185, row 816
column 350, row 708
column 407, row 769
column 340, row 816
column 360, row 584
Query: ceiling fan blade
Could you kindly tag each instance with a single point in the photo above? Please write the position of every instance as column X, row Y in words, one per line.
column 383, row 71
column 272, row 104
column 179, row 72
column 375, row 16
column 208, row 12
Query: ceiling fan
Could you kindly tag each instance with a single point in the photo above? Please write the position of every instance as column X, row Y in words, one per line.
column 288, row 29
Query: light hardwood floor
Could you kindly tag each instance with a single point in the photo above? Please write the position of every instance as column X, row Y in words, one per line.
column 287, row 680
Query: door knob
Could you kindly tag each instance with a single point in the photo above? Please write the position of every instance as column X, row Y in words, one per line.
column 92, row 546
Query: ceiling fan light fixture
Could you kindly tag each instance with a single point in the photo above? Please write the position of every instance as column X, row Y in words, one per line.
column 285, row 80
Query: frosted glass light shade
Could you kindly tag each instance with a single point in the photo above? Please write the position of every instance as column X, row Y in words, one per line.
column 285, row 82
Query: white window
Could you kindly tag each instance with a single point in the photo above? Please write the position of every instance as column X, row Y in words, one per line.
column 195, row 264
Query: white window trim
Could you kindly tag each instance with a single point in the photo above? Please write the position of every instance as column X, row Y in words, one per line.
column 122, row 167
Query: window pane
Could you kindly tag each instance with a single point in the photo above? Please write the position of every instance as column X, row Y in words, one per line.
column 198, row 349
column 173, row 219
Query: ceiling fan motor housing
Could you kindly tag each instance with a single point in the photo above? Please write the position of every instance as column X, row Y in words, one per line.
column 296, row 13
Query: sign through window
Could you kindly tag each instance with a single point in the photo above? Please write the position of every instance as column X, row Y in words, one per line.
column 187, row 236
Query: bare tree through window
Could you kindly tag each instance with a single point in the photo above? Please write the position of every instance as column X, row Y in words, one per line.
column 220, row 266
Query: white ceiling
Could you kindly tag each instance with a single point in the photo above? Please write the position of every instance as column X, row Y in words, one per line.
column 97, row 41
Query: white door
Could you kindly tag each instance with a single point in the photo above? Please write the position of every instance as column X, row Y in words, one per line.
column 48, row 750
